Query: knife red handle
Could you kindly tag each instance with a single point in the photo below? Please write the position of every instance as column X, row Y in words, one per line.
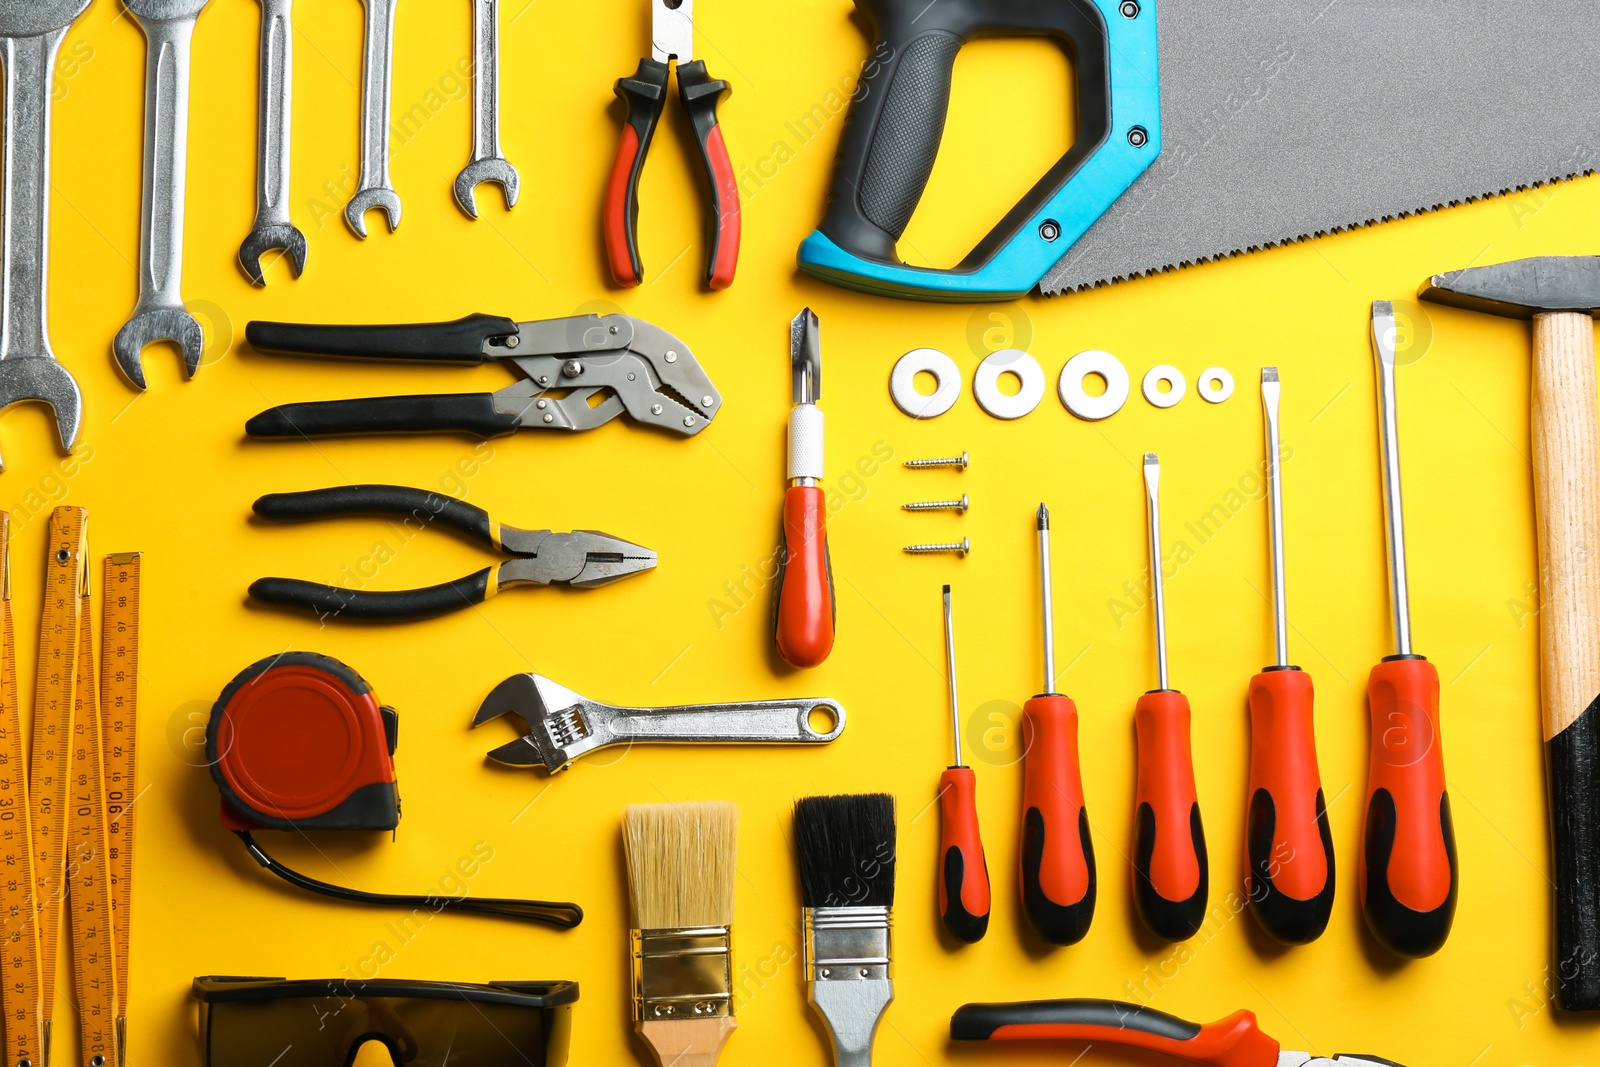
column 1171, row 877
column 963, row 870
column 805, row 610
column 701, row 94
column 1408, row 876
column 1291, row 877
column 1057, row 858
column 1236, row 1041
column 645, row 95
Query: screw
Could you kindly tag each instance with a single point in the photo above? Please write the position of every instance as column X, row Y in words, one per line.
column 865, row 973
column 954, row 461
column 513, row 341
column 655, row 409
column 960, row 548
column 671, row 357
column 542, row 404
column 688, row 421
column 707, row 401
column 1049, row 229
column 1129, row 9
column 572, row 368
column 938, row 505
column 1138, row 136
column 826, row 973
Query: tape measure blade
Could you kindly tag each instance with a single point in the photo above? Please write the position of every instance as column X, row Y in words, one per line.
column 119, row 703
column 19, row 932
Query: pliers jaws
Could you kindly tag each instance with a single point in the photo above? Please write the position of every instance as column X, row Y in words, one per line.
column 583, row 558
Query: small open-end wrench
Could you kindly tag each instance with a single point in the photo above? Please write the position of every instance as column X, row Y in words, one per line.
column 272, row 228
column 31, row 32
column 377, row 191
column 487, row 163
column 168, row 27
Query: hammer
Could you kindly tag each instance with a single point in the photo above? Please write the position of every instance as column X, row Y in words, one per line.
column 1561, row 294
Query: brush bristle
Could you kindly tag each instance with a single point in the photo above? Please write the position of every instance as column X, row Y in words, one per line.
column 847, row 850
column 681, row 863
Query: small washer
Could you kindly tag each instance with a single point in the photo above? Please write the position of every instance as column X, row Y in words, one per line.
column 903, row 383
column 1173, row 377
column 1080, row 403
column 1215, row 384
column 986, row 383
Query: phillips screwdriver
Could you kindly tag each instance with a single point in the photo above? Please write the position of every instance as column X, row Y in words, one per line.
column 1058, row 877
column 804, row 618
column 1407, row 874
column 1290, row 881
column 1170, row 875
column 963, row 871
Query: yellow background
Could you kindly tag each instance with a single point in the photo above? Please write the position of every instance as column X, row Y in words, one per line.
column 169, row 472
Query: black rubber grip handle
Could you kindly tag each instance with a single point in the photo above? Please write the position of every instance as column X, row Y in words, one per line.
column 978, row 1022
column 397, row 500
column 460, row 341
column 1573, row 774
column 332, row 602
column 468, row 413
column 644, row 96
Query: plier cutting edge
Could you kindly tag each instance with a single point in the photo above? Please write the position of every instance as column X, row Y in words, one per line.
column 645, row 95
column 582, row 559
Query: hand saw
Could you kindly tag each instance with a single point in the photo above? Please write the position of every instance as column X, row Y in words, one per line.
column 1278, row 121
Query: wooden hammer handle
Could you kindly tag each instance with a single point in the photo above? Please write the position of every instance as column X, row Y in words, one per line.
column 1566, row 465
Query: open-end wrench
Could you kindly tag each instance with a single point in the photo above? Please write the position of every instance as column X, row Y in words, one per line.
column 377, row 191
column 168, row 27
column 487, row 164
column 31, row 32
column 272, row 227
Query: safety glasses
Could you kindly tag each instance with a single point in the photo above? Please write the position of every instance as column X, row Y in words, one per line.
column 254, row 1022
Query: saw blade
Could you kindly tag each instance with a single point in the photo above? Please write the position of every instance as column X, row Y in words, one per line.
column 1296, row 118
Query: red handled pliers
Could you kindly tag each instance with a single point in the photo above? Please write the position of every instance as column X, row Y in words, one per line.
column 645, row 94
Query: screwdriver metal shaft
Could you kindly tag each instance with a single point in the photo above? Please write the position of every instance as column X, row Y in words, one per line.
column 963, row 870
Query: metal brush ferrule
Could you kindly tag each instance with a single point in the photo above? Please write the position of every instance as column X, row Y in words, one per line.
column 848, row 958
column 682, row 973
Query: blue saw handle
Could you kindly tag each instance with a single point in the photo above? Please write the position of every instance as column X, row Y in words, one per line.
column 892, row 134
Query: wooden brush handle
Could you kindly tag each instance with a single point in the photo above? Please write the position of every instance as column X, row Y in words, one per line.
column 686, row 1042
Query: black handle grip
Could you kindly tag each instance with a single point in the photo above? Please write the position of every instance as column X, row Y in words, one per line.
column 329, row 601
column 1573, row 773
column 978, row 1022
column 341, row 500
column 460, row 341
column 468, row 413
column 644, row 95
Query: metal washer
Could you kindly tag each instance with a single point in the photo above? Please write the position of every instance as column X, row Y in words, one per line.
column 903, row 383
column 1080, row 403
column 1164, row 372
column 986, row 383
column 1218, row 392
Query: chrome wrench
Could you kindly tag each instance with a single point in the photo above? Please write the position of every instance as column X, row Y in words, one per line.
column 487, row 163
column 272, row 228
column 377, row 190
column 31, row 32
column 168, row 27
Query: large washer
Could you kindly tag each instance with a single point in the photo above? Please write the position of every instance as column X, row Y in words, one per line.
column 1080, row 403
column 903, row 383
column 986, row 383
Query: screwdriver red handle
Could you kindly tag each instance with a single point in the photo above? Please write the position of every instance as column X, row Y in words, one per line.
column 1291, row 877
column 1171, row 877
column 1236, row 1041
column 1058, row 875
column 1408, row 876
column 805, row 610
column 963, row 871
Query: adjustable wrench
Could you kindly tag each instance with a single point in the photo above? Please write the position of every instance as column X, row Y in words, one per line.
column 487, row 164
column 31, row 32
column 272, row 228
column 377, row 191
column 168, row 27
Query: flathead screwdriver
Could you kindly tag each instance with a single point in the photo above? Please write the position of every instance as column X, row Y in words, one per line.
column 1171, row 877
column 1290, row 847
column 1408, row 877
column 963, row 871
column 1057, row 857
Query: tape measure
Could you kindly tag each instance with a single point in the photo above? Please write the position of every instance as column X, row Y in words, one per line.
column 119, row 704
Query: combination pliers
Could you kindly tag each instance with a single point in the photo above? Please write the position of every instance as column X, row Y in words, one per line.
column 582, row 559
column 578, row 373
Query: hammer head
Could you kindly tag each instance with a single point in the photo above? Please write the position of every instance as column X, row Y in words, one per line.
column 1522, row 288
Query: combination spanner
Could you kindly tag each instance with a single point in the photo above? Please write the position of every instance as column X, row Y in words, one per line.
column 31, row 32
column 168, row 27
column 377, row 190
column 272, row 228
column 487, row 163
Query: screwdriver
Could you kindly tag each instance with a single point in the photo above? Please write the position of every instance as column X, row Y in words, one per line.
column 1290, row 881
column 1171, row 877
column 804, row 619
column 1058, row 877
column 1407, row 876
column 963, row 871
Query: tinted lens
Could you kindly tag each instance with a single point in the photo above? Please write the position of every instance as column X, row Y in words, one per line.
column 327, row 1031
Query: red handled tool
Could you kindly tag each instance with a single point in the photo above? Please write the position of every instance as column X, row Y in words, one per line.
column 1290, row 880
column 805, row 608
column 1057, row 859
column 1407, row 877
column 645, row 94
column 963, row 871
column 1170, row 875
column 1236, row 1041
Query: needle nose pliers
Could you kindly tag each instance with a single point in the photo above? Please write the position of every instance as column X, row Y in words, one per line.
column 645, row 95
column 583, row 559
